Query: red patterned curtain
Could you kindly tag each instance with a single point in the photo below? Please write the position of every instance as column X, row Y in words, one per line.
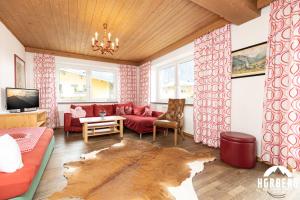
column 44, row 80
column 212, row 89
column 144, row 84
column 128, row 83
column 281, row 126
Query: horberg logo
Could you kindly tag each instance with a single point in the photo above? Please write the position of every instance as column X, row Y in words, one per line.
column 277, row 187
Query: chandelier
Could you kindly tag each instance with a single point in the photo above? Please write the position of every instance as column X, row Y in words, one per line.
column 106, row 44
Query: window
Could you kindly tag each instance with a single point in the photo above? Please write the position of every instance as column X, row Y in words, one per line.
column 72, row 85
column 186, row 80
column 173, row 81
column 166, row 86
column 82, row 85
column 102, row 85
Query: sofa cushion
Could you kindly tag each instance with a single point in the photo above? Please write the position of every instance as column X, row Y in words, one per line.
column 138, row 110
column 139, row 124
column 89, row 109
column 75, row 122
column 126, row 107
column 120, row 110
column 147, row 112
column 166, row 123
column 77, row 112
column 109, row 109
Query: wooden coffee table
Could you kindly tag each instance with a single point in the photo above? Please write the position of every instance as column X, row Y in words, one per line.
column 95, row 126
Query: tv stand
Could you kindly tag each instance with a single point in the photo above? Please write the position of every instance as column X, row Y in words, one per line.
column 23, row 119
column 23, row 110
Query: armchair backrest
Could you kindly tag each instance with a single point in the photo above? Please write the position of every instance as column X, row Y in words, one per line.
column 175, row 109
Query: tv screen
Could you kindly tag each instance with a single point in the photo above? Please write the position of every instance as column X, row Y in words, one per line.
column 17, row 98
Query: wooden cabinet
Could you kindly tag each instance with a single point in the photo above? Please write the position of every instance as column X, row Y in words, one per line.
column 24, row 119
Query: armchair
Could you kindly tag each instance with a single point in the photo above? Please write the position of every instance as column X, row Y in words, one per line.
column 173, row 118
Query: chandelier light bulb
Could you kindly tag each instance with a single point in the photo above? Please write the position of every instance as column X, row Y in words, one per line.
column 96, row 35
column 117, row 41
column 93, row 41
column 113, row 45
column 109, row 36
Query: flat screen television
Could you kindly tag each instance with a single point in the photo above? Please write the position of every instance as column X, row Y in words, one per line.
column 19, row 98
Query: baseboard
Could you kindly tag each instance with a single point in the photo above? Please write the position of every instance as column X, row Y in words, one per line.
column 188, row 134
column 270, row 164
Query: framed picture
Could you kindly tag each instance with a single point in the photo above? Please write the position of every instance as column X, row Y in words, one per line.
column 249, row 61
column 20, row 75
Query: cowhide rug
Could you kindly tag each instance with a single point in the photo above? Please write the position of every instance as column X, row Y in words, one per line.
column 133, row 170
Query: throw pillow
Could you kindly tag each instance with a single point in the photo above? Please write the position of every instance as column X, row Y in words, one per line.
column 147, row 112
column 89, row 109
column 138, row 110
column 120, row 110
column 128, row 110
column 10, row 154
column 78, row 112
column 109, row 109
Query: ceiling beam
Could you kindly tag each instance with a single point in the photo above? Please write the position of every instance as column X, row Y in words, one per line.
column 263, row 3
column 234, row 11
column 188, row 39
column 80, row 56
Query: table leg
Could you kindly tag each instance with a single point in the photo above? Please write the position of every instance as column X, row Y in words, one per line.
column 121, row 128
column 154, row 133
column 85, row 132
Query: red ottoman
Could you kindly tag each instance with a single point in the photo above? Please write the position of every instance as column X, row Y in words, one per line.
column 238, row 149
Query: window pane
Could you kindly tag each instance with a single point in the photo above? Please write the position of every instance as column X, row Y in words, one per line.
column 72, row 85
column 103, row 85
column 186, row 80
column 166, row 85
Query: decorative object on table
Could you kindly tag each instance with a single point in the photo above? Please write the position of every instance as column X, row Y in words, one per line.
column 249, row 61
column 106, row 44
column 20, row 74
column 102, row 113
column 142, row 165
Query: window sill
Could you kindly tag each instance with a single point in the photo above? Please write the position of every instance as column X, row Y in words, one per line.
column 85, row 102
column 187, row 104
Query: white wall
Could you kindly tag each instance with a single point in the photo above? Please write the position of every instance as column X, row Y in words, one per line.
column 64, row 61
column 10, row 45
column 247, row 93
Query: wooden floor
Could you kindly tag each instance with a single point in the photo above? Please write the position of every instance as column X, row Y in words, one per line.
column 217, row 180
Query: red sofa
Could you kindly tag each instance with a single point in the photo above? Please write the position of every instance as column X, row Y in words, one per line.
column 134, row 121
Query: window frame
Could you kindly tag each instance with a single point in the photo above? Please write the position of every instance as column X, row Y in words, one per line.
column 173, row 63
column 88, row 69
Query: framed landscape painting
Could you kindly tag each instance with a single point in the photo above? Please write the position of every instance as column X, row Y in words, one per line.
column 20, row 76
column 249, row 61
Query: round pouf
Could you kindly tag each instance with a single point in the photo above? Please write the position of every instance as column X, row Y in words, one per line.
column 238, row 149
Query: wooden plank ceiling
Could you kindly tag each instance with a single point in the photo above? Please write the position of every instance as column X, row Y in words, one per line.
column 146, row 28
